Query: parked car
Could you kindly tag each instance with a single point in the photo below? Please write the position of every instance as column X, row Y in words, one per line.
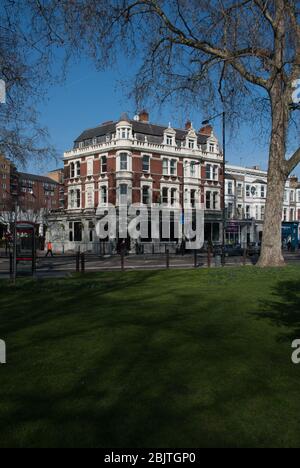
column 233, row 250
column 230, row 250
column 254, row 249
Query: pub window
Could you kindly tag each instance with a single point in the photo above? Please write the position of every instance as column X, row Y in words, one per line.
column 193, row 198
column 103, row 194
column 173, row 196
column 72, row 170
column 165, row 166
column 146, row 163
column 208, row 200
column 165, row 195
column 78, row 169
column 208, row 172
column 103, row 164
column 77, row 232
column 146, row 195
column 78, row 198
column 173, row 167
column 123, row 162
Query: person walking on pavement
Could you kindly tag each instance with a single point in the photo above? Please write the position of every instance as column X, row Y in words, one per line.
column 49, row 249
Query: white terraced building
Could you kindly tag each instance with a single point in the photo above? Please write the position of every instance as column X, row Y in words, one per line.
column 245, row 200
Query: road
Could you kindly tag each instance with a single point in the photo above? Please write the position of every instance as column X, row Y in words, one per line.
column 61, row 266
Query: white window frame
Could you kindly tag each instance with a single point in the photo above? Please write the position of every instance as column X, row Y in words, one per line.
column 90, row 167
column 129, row 161
column 148, row 171
column 90, row 189
column 101, row 187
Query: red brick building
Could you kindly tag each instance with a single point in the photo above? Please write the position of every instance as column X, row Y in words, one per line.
column 135, row 161
column 35, row 195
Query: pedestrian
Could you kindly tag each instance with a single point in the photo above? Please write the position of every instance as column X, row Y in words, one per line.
column 49, row 249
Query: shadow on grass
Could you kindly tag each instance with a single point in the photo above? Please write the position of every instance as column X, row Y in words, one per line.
column 107, row 365
column 284, row 310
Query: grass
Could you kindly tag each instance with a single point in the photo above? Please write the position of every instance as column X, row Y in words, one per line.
column 152, row 359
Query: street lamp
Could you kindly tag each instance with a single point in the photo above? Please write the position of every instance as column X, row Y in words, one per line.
column 206, row 122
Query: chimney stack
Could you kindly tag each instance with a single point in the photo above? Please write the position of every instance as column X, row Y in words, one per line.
column 207, row 130
column 144, row 116
column 188, row 125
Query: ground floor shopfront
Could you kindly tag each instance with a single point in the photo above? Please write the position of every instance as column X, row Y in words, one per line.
column 244, row 232
column 77, row 231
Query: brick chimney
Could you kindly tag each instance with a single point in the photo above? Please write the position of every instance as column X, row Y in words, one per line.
column 188, row 125
column 144, row 116
column 207, row 130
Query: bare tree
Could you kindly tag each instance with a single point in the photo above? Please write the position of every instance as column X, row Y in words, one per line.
column 26, row 69
column 243, row 54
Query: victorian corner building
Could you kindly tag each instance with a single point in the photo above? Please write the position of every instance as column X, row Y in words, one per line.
column 148, row 164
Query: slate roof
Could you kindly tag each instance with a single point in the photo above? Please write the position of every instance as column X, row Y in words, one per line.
column 36, row 178
column 154, row 133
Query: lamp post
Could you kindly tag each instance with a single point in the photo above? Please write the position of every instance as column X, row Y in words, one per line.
column 206, row 122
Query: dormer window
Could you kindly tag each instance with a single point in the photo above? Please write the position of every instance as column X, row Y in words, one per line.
column 191, row 144
column 94, row 141
column 169, row 140
column 124, row 133
column 170, row 136
column 211, row 147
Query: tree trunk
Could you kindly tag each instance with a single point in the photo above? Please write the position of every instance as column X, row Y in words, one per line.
column 271, row 254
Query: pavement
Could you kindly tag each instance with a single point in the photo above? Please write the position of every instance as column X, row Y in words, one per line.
column 64, row 265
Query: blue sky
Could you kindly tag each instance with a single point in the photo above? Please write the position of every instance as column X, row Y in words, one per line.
column 88, row 98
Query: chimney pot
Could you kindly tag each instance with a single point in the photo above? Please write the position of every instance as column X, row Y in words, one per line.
column 207, row 130
column 144, row 116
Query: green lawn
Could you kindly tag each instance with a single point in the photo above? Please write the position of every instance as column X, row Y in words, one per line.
column 152, row 359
